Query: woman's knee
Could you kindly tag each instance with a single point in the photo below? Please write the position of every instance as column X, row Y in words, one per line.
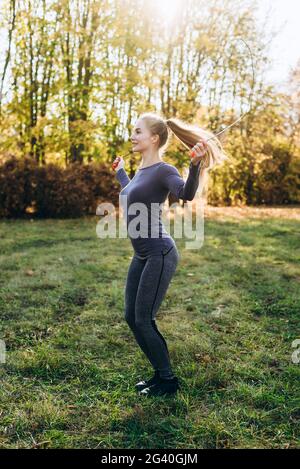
column 143, row 325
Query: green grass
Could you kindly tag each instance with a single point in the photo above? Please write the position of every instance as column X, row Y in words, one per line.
column 72, row 361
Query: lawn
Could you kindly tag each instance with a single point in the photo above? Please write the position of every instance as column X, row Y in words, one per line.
column 230, row 317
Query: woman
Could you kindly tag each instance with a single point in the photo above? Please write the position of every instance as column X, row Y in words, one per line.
column 155, row 258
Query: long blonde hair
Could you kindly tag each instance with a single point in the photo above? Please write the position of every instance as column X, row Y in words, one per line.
column 189, row 135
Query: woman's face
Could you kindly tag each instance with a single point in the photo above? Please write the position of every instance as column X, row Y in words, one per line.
column 141, row 137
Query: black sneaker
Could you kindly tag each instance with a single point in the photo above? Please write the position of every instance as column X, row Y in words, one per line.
column 144, row 384
column 164, row 387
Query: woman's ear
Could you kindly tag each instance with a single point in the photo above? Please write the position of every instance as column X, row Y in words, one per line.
column 155, row 138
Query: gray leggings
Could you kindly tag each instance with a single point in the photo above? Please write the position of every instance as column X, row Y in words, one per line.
column 146, row 285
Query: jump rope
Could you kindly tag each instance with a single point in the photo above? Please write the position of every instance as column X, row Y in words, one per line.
column 192, row 153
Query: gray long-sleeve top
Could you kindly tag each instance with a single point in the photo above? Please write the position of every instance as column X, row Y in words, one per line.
column 141, row 199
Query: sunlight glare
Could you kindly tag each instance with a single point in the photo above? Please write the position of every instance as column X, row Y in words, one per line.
column 168, row 9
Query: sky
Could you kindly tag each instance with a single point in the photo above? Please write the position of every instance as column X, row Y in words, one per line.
column 285, row 51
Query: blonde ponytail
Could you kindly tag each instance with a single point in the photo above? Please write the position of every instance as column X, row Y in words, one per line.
column 190, row 134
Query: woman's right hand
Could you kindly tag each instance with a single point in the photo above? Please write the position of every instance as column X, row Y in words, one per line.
column 118, row 163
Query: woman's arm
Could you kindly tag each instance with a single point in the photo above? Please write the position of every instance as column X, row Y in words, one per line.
column 122, row 177
column 174, row 182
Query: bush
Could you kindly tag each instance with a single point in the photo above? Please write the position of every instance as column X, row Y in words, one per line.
column 271, row 177
column 274, row 187
column 16, row 186
column 51, row 191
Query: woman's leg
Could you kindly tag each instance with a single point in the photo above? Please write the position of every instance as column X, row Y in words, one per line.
column 132, row 282
column 153, row 285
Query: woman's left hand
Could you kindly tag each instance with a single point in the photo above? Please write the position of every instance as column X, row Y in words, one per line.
column 199, row 150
